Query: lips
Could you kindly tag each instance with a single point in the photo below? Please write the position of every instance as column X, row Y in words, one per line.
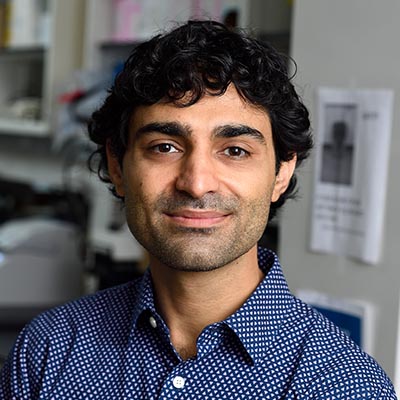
column 198, row 218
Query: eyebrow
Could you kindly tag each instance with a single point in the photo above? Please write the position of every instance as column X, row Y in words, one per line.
column 179, row 130
column 231, row 131
column 167, row 128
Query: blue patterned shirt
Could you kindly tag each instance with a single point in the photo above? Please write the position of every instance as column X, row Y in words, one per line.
column 114, row 345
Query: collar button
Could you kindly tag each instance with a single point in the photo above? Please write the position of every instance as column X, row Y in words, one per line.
column 153, row 322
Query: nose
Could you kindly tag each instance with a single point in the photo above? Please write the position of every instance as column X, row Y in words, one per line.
column 197, row 175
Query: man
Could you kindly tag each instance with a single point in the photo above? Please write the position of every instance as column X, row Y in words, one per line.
column 199, row 136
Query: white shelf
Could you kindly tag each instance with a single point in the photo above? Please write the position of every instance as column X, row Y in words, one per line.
column 24, row 127
column 22, row 53
column 42, row 71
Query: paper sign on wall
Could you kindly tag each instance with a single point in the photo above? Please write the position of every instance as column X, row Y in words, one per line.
column 352, row 150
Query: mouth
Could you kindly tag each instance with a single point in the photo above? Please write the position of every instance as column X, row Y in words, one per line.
column 198, row 218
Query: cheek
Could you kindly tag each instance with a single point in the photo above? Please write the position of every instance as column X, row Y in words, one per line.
column 135, row 192
column 256, row 186
column 140, row 196
column 257, row 202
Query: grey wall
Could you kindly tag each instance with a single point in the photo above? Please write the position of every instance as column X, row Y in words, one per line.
column 348, row 44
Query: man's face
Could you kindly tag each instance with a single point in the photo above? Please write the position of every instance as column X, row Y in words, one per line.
column 198, row 180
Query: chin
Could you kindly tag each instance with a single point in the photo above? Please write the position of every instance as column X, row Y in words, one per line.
column 180, row 258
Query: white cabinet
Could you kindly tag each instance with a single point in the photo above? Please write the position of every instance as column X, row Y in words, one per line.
column 32, row 75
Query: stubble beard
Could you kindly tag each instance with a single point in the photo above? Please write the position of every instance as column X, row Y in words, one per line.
column 197, row 249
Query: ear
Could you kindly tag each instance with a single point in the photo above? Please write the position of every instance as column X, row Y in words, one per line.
column 283, row 177
column 115, row 171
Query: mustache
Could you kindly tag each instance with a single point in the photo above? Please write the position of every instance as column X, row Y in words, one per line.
column 210, row 201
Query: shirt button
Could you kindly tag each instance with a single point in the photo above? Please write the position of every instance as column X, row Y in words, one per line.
column 153, row 322
column 179, row 382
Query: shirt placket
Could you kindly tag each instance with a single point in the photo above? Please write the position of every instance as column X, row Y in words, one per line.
column 181, row 382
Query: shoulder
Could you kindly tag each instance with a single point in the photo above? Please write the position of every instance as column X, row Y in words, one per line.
column 333, row 365
column 113, row 303
column 49, row 340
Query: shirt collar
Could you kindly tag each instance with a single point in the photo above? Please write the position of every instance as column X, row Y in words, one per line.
column 259, row 319
column 144, row 297
column 257, row 322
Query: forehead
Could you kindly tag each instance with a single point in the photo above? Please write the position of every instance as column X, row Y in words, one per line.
column 206, row 114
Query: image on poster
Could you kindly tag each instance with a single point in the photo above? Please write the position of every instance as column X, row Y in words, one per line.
column 354, row 127
column 338, row 144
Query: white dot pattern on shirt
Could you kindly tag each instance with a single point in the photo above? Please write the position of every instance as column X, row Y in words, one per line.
column 106, row 346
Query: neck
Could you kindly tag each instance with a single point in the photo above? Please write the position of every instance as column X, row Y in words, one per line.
column 189, row 301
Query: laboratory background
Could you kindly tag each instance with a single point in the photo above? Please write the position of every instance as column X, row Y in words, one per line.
column 62, row 235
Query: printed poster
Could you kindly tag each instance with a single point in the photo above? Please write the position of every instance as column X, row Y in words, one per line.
column 352, row 156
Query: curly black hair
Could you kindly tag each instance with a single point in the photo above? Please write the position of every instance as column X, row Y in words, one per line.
column 198, row 58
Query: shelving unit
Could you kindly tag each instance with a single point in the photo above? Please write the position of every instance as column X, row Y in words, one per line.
column 103, row 42
column 39, row 72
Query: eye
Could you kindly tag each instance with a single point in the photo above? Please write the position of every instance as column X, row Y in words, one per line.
column 165, row 148
column 236, row 152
